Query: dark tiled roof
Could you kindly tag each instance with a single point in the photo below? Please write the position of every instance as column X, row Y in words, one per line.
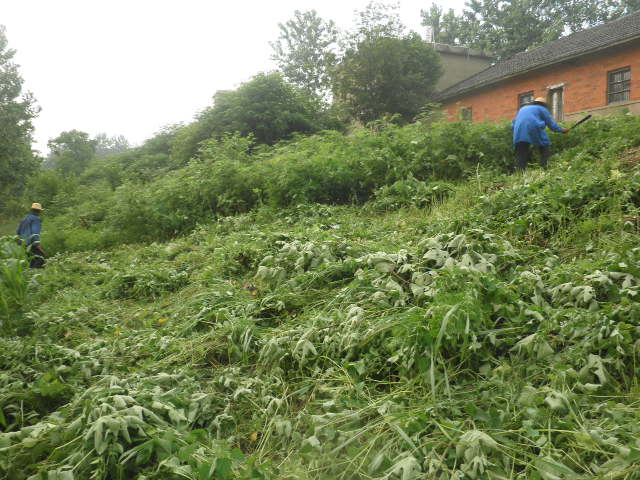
column 597, row 38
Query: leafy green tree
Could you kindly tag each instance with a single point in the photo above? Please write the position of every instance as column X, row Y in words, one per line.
column 446, row 26
column 507, row 27
column 387, row 76
column 377, row 20
column 17, row 110
column 72, row 151
column 305, row 51
column 106, row 145
column 266, row 107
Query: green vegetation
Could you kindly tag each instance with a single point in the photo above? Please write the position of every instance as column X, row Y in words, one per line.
column 390, row 304
column 405, row 71
column 233, row 175
column 236, row 300
column 513, row 26
column 17, row 110
column 13, row 282
column 304, row 51
column 71, row 152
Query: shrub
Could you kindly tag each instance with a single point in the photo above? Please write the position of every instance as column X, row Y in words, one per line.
column 13, row 280
column 410, row 193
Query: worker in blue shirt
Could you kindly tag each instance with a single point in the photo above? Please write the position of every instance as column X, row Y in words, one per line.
column 529, row 129
column 29, row 230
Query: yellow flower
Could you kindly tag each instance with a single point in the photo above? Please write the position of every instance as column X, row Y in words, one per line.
column 162, row 320
column 253, row 437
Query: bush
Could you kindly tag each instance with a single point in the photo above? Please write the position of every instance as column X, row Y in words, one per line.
column 13, row 280
column 410, row 193
column 232, row 175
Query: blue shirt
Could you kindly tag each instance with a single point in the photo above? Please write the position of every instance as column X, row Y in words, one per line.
column 530, row 123
column 29, row 229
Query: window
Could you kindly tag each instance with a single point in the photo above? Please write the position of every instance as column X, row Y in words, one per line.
column 619, row 85
column 525, row 99
column 466, row 114
column 555, row 103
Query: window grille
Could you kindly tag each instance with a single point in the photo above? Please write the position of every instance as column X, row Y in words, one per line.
column 620, row 85
column 466, row 114
column 525, row 99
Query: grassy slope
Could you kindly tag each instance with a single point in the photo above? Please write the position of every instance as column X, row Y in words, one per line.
column 340, row 342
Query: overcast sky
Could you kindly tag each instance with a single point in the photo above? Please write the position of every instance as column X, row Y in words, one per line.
column 131, row 67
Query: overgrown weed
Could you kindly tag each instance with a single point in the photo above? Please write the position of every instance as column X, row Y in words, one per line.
column 492, row 333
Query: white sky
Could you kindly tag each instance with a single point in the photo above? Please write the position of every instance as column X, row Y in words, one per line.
column 131, row 67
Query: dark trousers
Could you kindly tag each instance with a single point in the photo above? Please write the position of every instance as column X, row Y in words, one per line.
column 523, row 155
column 36, row 256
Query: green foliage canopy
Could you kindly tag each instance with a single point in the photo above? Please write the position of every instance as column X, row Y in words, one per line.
column 266, row 107
column 17, row 110
column 385, row 75
column 109, row 145
column 376, row 20
column 304, row 51
column 512, row 26
column 71, row 151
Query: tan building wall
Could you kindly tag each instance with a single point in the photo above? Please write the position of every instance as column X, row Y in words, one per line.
column 459, row 63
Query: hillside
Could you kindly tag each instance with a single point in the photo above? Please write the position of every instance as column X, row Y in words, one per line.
column 474, row 324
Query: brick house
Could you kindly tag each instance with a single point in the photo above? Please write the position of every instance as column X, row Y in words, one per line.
column 594, row 71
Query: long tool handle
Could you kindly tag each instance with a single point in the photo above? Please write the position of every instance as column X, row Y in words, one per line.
column 581, row 121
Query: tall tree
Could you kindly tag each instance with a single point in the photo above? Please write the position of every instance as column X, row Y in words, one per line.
column 377, row 20
column 446, row 26
column 106, row 145
column 71, row 151
column 387, row 75
column 266, row 107
column 507, row 27
column 306, row 50
column 17, row 111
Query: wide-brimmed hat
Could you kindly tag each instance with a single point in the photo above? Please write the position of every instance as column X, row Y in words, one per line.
column 540, row 100
column 36, row 206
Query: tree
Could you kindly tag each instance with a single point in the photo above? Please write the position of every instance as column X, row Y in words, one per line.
column 387, row 76
column 507, row 27
column 305, row 51
column 72, row 151
column 378, row 20
column 446, row 27
column 266, row 107
column 17, row 110
column 106, row 145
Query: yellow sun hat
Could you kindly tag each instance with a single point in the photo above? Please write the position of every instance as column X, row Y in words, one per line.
column 36, row 206
column 540, row 100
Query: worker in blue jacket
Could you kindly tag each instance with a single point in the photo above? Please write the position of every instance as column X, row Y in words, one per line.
column 29, row 230
column 529, row 129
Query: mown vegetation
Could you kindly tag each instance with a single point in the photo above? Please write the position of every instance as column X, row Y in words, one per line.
column 389, row 304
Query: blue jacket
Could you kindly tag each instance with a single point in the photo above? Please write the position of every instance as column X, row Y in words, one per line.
column 530, row 123
column 29, row 229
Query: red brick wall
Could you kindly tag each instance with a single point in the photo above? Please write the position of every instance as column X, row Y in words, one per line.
column 585, row 86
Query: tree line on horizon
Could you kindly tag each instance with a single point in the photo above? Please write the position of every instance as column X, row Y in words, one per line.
column 326, row 79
